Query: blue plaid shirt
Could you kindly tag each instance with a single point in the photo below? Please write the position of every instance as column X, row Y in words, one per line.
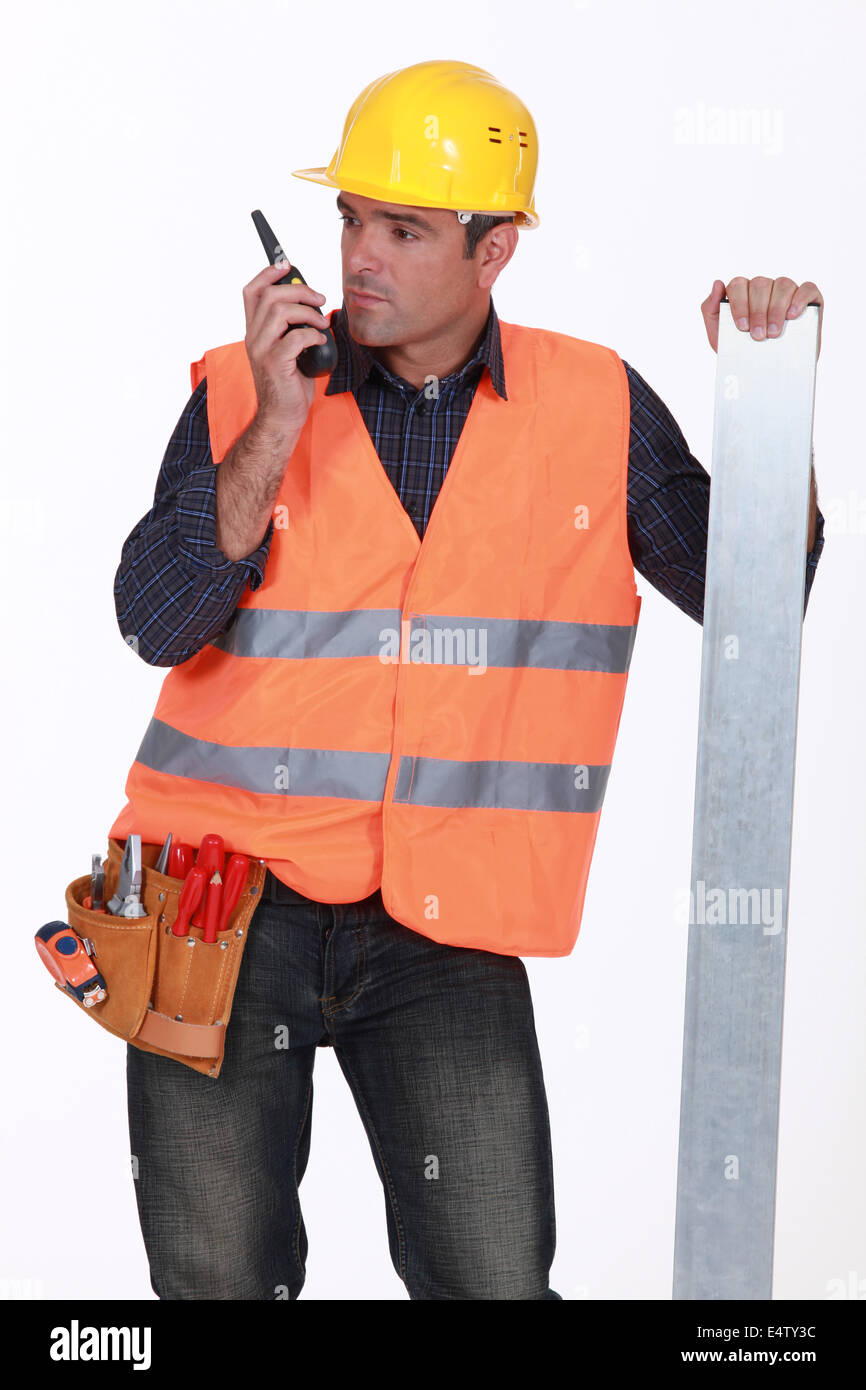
column 174, row 591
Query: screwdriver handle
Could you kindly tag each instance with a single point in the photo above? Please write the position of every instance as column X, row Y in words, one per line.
column 211, row 918
column 211, row 857
column 180, row 860
column 211, row 854
column 233, row 885
column 191, row 895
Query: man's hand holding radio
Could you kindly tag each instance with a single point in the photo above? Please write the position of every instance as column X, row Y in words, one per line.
column 249, row 477
column 284, row 393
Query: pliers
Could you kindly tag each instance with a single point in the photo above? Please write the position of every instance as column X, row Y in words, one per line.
column 127, row 900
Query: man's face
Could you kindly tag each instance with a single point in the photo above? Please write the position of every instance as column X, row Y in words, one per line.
column 412, row 257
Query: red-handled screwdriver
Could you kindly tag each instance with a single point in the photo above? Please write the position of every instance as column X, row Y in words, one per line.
column 190, row 897
column 233, row 885
column 212, row 907
column 180, row 860
column 211, row 857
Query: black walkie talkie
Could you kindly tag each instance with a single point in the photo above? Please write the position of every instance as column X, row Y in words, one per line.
column 320, row 358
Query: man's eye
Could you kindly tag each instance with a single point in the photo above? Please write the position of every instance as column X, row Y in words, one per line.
column 344, row 217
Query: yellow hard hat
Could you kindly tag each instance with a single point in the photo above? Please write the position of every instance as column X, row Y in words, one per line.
column 438, row 135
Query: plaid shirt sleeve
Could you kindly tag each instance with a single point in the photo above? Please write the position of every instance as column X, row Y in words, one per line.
column 668, row 505
column 174, row 590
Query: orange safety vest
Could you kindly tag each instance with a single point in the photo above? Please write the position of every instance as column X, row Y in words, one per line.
column 434, row 716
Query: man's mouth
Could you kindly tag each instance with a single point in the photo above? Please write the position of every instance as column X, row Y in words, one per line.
column 364, row 298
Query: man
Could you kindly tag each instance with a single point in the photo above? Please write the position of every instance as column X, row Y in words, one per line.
column 439, row 717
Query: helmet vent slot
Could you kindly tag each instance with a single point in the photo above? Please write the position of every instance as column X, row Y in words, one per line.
column 497, row 138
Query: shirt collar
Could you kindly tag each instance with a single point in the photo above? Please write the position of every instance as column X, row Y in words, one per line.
column 355, row 362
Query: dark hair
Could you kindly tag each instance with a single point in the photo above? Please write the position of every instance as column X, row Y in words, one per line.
column 478, row 224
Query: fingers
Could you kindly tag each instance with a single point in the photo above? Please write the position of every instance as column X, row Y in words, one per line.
column 289, row 350
column 807, row 293
column 760, row 290
column 254, row 290
column 714, row 298
column 710, row 312
column 301, row 338
column 258, row 287
column 275, row 319
column 296, row 304
column 760, row 306
column 780, row 298
column 710, row 306
column 738, row 298
column 263, row 297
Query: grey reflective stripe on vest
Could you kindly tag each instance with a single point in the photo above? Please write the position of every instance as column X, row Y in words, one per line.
column 362, row 776
column 268, row 771
column 537, row 642
column 502, row 785
column 432, row 639
column 295, row 634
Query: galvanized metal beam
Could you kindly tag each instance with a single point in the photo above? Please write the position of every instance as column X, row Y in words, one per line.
column 741, row 851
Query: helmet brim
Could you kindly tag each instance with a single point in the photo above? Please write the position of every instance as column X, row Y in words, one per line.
column 321, row 175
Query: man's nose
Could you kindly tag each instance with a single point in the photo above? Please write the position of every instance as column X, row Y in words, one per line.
column 362, row 254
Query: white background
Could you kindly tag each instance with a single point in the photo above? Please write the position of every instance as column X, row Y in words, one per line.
column 136, row 142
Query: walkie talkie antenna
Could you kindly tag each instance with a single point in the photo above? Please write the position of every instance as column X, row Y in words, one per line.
column 273, row 249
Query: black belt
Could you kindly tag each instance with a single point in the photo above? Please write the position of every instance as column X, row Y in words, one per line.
column 275, row 891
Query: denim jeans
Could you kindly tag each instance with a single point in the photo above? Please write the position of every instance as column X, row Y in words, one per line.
column 438, row 1046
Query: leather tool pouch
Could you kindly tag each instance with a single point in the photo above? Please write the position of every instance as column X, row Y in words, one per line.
column 166, row 994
